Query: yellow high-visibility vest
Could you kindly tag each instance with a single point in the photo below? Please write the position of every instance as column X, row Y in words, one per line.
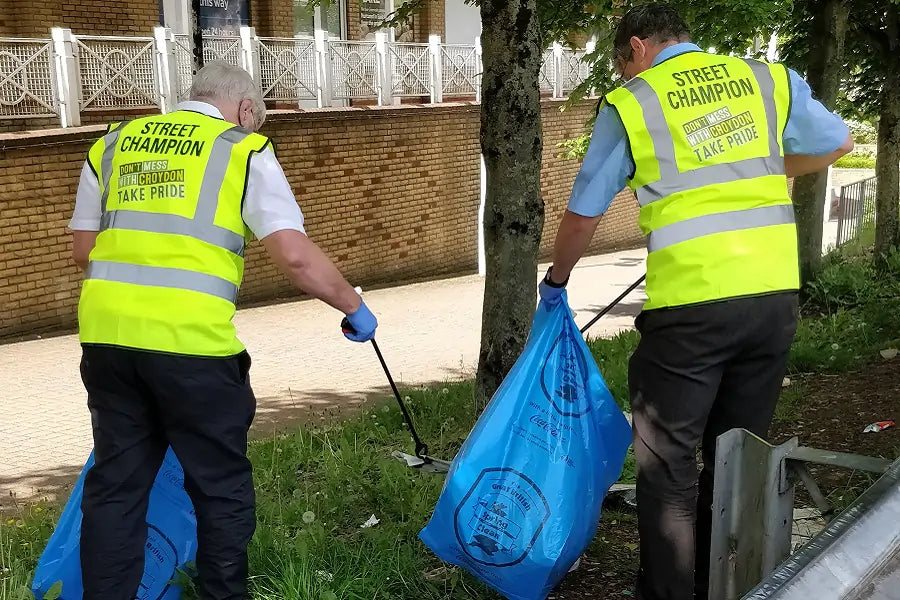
column 705, row 133
column 169, row 259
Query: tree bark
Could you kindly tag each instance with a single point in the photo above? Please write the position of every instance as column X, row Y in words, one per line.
column 824, row 69
column 511, row 142
column 887, row 197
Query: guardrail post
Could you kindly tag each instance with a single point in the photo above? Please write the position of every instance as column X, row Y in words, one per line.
column 384, row 73
column 67, row 79
column 250, row 52
column 436, row 70
column 753, row 500
column 168, row 68
column 479, row 68
column 557, row 70
column 323, row 69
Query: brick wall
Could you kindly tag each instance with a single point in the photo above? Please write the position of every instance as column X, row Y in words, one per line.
column 431, row 21
column 34, row 18
column 272, row 18
column 391, row 194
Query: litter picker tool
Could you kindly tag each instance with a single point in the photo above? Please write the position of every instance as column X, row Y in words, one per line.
column 421, row 460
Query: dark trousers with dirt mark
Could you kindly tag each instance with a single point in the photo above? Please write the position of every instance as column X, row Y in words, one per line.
column 698, row 372
column 141, row 403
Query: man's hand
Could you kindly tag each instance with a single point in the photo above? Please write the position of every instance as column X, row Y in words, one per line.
column 550, row 290
column 362, row 324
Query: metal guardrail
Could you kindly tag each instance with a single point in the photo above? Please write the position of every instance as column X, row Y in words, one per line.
column 856, row 209
column 753, row 510
column 69, row 74
column 856, row 557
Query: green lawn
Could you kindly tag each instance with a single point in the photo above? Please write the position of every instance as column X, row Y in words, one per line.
column 318, row 485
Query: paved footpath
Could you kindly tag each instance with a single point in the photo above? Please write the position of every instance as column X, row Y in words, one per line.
column 303, row 368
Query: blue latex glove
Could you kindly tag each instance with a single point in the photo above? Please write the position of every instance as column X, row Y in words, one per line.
column 550, row 291
column 362, row 324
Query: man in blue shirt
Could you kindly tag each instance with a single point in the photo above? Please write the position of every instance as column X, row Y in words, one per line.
column 702, row 368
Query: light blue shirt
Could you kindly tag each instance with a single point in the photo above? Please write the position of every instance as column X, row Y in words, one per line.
column 811, row 129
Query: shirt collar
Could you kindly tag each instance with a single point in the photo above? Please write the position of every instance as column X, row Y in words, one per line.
column 675, row 50
column 203, row 108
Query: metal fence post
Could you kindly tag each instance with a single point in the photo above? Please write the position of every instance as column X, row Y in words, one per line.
column 384, row 72
column 67, row 79
column 436, row 71
column 167, row 68
column 557, row 70
column 589, row 49
column 323, row 69
column 479, row 68
column 250, row 52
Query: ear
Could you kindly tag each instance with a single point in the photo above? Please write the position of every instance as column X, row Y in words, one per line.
column 246, row 118
column 637, row 45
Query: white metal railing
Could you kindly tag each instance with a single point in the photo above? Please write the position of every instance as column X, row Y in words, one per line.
column 67, row 75
column 461, row 66
column 354, row 70
column 410, row 69
column 116, row 72
column 223, row 48
column 287, row 69
column 27, row 78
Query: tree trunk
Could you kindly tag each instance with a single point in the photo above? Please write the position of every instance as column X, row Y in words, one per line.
column 824, row 70
column 514, row 211
column 887, row 197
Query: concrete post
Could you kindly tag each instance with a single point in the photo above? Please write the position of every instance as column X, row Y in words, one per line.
column 67, row 78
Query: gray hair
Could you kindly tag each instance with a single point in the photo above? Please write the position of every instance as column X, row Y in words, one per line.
column 219, row 80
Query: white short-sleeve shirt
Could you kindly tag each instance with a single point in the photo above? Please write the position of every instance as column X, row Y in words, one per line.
column 269, row 204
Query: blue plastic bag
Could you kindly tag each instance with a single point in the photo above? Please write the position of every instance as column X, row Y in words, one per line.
column 522, row 499
column 171, row 539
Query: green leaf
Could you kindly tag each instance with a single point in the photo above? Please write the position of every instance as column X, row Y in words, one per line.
column 54, row 592
column 328, row 595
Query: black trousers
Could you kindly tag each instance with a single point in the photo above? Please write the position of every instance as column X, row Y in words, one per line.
column 141, row 403
column 698, row 372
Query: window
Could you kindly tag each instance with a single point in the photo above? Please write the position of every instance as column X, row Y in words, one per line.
column 328, row 16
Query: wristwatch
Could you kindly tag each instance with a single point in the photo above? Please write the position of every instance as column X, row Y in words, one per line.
column 552, row 283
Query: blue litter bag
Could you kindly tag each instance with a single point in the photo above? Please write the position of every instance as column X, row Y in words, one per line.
column 522, row 499
column 171, row 539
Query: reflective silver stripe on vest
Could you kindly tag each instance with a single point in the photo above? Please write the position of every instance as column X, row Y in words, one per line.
column 109, row 140
column 163, row 277
column 671, row 179
column 689, row 229
column 201, row 226
column 749, row 168
column 173, row 224
column 655, row 120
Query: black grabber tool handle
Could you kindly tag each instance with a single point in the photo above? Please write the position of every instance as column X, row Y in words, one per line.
column 613, row 304
column 421, row 447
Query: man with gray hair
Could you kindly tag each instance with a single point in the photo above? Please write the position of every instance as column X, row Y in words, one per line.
column 164, row 207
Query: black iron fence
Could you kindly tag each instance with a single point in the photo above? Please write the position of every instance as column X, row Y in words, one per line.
column 856, row 209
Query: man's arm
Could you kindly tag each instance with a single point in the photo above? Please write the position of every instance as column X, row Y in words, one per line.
column 796, row 165
column 572, row 240
column 272, row 214
column 603, row 174
column 814, row 137
column 309, row 269
column 82, row 244
column 85, row 222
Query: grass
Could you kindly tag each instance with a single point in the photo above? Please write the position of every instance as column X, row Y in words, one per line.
column 318, row 485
